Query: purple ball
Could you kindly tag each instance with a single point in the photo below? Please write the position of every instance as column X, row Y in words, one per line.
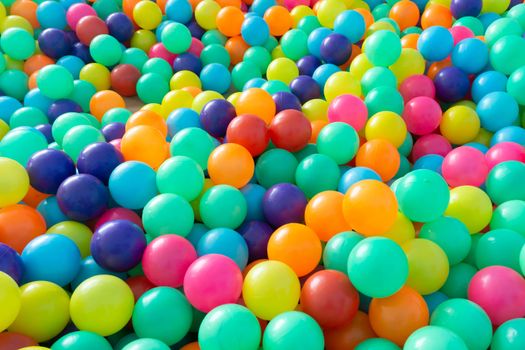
column 60, row 107
column 187, row 61
column 48, row 168
column 82, row 51
column 54, row 43
column 514, row 3
column 72, row 37
column 82, row 197
column 463, row 8
column 216, row 116
column 283, row 204
column 336, row 49
column 286, row 100
column 308, row 64
column 45, row 129
column 195, row 29
column 120, row 26
column 305, row 88
column 118, row 245
column 113, row 131
column 99, row 159
column 11, row 263
column 256, row 234
column 452, row 84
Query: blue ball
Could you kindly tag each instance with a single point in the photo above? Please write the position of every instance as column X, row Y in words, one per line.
column 308, row 64
column 72, row 63
column 463, row 8
column 179, row 11
column 126, row 178
column 59, row 107
column 452, row 84
column 482, row 148
column 195, row 29
column 51, row 14
column 470, row 55
column 8, row 106
column 324, row 72
column 82, row 51
column 254, row 83
column 114, row 131
column 11, row 263
column 487, row 82
column 99, row 159
column 197, row 231
column 305, row 88
column 336, row 49
column 488, row 18
column 215, row 76
column 45, row 129
column 431, row 162
column 435, row 43
column 355, row 175
column 497, row 110
column 255, row 31
column 187, row 61
column 315, row 40
column 216, row 116
column 120, row 26
column 284, row 203
column 182, row 118
column 82, row 197
column 254, row 195
column 51, row 257
column 160, row 28
column 286, row 100
column 226, row 242
column 48, row 169
column 34, row 98
column 509, row 134
column 55, row 43
column 259, row 7
column 433, row 300
column 90, row 268
column 351, row 24
column 51, row 212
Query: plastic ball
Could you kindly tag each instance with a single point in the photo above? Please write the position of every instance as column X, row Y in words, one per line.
column 17, row 43
column 431, row 144
column 82, row 197
column 290, row 130
column 339, row 141
column 382, row 48
column 183, row 169
column 508, row 335
column 50, row 15
column 158, row 216
column 471, row 206
column 433, row 336
column 12, row 340
column 54, row 43
column 435, row 43
column 460, row 125
column 256, row 234
column 20, row 224
column 129, row 175
column 226, row 242
column 388, row 126
column 317, row 173
column 250, row 132
column 497, row 110
column 282, row 69
column 504, row 151
column 354, row 175
column 255, row 30
column 291, row 329
column 422, row 115
column 120, row 26
column 11, row 264
column 55, row 82
column 509, row 215
column 89, row 160
column 457, row 162
column 506, row 53
column 144, row 143
column 275, row 166
column 503, row 182
column 283, row 203
column 351, row 24
column 341, row 83
column 350, row 334
column 82, row 339
column 194, row 143
column 380, row 156
column 10, row 300
column 90, row 27
column 417, row 85
column 124, row 78
column 348, row 109
column 231, row 164
column 15, row 182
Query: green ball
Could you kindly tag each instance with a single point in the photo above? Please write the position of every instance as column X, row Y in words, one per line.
column 18, row 43
column 271, row 43
column 407, row 145
column 472, row 23
column 146, row 343
column 55, row 81
column 508, row 54
column 180, row 175
column 134, row 56
column 21, row 143
column 223, row 206
column 78, row 138
column 106, row 50
column 377, row 267
column 152, row 87
column 500, row 28
column 458, row 280
column 377, row 344
column 159, row 66
column 382, row 48
column 13, row 83
column 259, row 56
column 500, row 247
column 274, row 86
column 317, row 173
column 516, row 85
column 404, row 167
column 230, row 326
column 275, row 166
column 376, row 77
column 66, row 122
column 104, row 8
column 414, row 190
column 116, row 115
column 194, row 143
column 162, row 313
column 471, row 257
column 168, row 213
column 27, row 116
column 176, row 38
column 338, row 248
column 243, row 72
column 510, row 335
column 308, row 24
column 510, row 215
column 294, row 44
column 505, row 182
column 213, row 37
column 381, row 11
column 518, row 13
column 2, row 64
column 412, row 30
column 293, row 330
column 434, row 337
column 384, row 98
column 81, row 340
column 215, row 53
column 467, row 320
column 338, row 141
column 449, row 234
column 308, row 150
column 82, row 93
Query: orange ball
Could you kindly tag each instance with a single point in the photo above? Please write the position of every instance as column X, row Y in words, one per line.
column 231, row 164
column 36, row 62
column 27, row 10
column 349, row 335
column 193, row 90
column 405, row 13
column 381, row 156
column 436, row 15
column 279, row 20
column 31, row 82
column 370, row 207
column 317, row 126
column 297, row 246
column 128, row 6
column 34, row 197
column 236, row 47
column 146, row 144
column 19, row 224
column 229, row 21
column 399, row 315
column 191, row 346
column 147, row 117
column 224, row 3
column 258, row 102
column 435, row 67
column 409, row 41
column 324, row 215
column 162, row 5
column 103, row 101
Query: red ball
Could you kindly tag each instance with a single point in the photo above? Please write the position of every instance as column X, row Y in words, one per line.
column 249, row 131
column 89, row 27
column 139, row 285
column 119, row 214
column 330, row 298
column 290, row 130
column 124, row 79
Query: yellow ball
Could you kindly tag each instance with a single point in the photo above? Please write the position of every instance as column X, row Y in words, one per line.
column 328, row 10
column 387, row 126
column 77, row 232
column 154, row 107
column 174, row 100
column 360, row 65
column 402, row 231
column 445, row 3
column 409, row 63
column 44, row 312
column 147, row 14
column 15, row 22
column 206, row 13
column 360, row 4
column 278, row 52
column 341, row 83
column 497, row 6
column 460, row 125
column 184, row 78
column 9, row 300
column 14, row 182
column 96, row 74
column 471, row 206
column 484, row 137
column 143, row 39
column 377, row 26
column 204, row 97
column 13, row 64
column 316, row 109
column 102, row 304
column 233, row 98
column 4, row 129
column 283, row 69
column 2, row 12
column 271, row 288
column 427, row 265
column 299, row 12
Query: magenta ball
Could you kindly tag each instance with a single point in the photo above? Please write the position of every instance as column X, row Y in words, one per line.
column 430, row 144
column 416, row 86
column 159, row 51
column 505, row 151
column 461, row 33
column 76, row 12
column 500, row 291
column 465, row 166
column 212, row 280
column 166, row 260
column 422, row 115
column 348, row 109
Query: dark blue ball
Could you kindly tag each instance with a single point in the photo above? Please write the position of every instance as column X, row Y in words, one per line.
column 305, row 88
column 187, row 61
column 308, row 64
column 45, row 129
column 54, row 43
column 48, row 168
column 113, row 131
column 286, row 100
column 216, row 116
column 11, row 263
column 82, row 51
column 283, row 204
column 120, row 26
column 463, row 8
column 452, row 84
column 336, row 49
column 256, row 234
column 195, row 29
column 60, row 107
column 99, row 159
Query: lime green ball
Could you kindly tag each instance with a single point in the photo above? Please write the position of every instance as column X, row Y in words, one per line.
column 105, row 50
column 510, row 335
column 244, row 72
column 223, row 206
column 213, row 37
column 317, row 173
column 55, row 81
column 180, row 175
column 294, row 44
column 338, row 248
column 500, row 247
column 339, row 141
column 176, row 37
column 78, row 138
column 134, row 56
column 14, row 83
column 82, row 93
column 275, row 166
column 194, row 143
column 152, row 87
column 458, row 280
column 82, row 340
column 215, row 53
column 27, row 116
column 510, row 215
column 376, row 77
column 116, row 115
column 382, row 48
column 168, row 213
column 18, row 43
column 259, row 56
column 66, row 122
column 21, row 143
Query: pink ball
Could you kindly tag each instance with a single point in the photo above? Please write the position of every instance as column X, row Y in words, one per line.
column 417, row 85
column 116, row 143
column 212, row 280
column 196, row 47
column 461, row 33
column 119, row 214
column 430, row 144
column 291, row 4
column 504, row 151
column 166, row 260
column 348, row 109
column 159, row 51
column 76, row 12
column 465, row 166
column 422, row 115
column 500, row 291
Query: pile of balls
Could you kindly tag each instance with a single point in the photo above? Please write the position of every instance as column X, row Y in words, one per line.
column 301, row 174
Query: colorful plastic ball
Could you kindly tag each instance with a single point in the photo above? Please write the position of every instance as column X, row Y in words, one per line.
column 290, row 130
column 50, row 15
column 256, row 234
column 120, row 26
column 507, row 53
column 305, row 88
column 194, row 143
column 255, row 30
column 231, row 164
column 10, row 300
column 499, row 247
column 152, row 87
column 176, row 38
column 55, row 82
column 509, row 215
column 452, row 84
column 382, row 48
column 180, row 175
column 15, row 182
column 515, row 85
column 105, row 50
column 20, row 224
column 339, row 141
column 422, row 115
column 509, row 335
column 99, row 160
column 503, row 182
column 146, row 144
column 431, row 144
column 415, row 86
column 90, row 27
column 464, row 8
column 435, row 43
column 317, row 173
column 336, row 49
column 350, row 24
column 350, row 334
column 250, row 132
column 286, row 100
column 102, row 304
column 349, row 109
column 11, row 263
column 130, row 175
column 148, row 343
column 471, row 206
column 275, row 166
column 82, row 197
column 21, row 143
column 283, row 203
column 12, row 340
column 78, row 11
column 338, row 248
column 257, row 102
column 124, row 78
column 497, row 110
column 293, row 329
column 216, row 116
column 79, row 137
column 434, row 337
column 34, row 318
column 471, row 55
column 465, row 166
column 88, row 269
column 458, row 280
column 54, row 43
column 159, row 215
column 324, row 215
column 380, row 156
column 271, row 288
column 509, row 134
column 341, row 83
column 460, row 125
column 17, row 43
column 504, row 151
column 82, row 340
column 487, row 82
column 226, row 242
column 113, row 131
column 56, row 109
column 308, row 64
column 147, row 15
column 216, row 77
